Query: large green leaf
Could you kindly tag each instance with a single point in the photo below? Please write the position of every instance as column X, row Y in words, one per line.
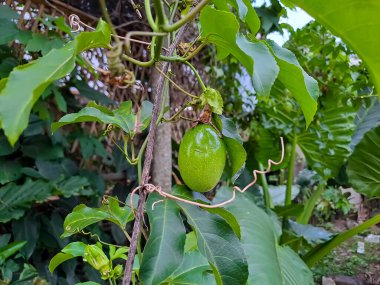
column 301, row 85
column 367, row 118
column 192, row 271
column 15, row 200
column 83, row 216
column 246, row 12
column 264, row 62
column 227, row 40
column 219, row 244
column 364, row 165
column 269, row 263
column 164, row 250
column 26, row 83
column 357, row 23
column 325, row 143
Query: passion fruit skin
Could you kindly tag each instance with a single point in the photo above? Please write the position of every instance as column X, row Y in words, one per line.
column 201, row 158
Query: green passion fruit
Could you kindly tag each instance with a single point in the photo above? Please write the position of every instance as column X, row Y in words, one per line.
column 201, row 158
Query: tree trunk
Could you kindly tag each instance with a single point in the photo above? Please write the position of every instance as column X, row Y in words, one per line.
column 162, row 154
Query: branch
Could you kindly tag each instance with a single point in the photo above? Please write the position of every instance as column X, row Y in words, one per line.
column 148, row 159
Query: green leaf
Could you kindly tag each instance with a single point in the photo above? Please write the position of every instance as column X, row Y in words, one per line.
column 230, row 219
column 216, row 241
column 192, row 271
column 83, row 216
column 17, row 199
column 268, row 262
column 301, row 85
column 75, row 248
column 364, row 165
column 9, row 31
column 7, row 13
column 252, row 55
column 5, row 147
column 277, row 193
column 70, row 251
column 9, row 171
column 247, row 14
column 313, row 235
column 265, row 67
column 72, row 185
column 121, row 117
column 7, row 65
column 58, row 259
column 10, row 249
column 355, row 23
column 28, row 229
column 320, row 251
column 367, row 118
column 269, row 147
column 165, row 247
column 234, row 145
column 213, row 98
column 26, row 83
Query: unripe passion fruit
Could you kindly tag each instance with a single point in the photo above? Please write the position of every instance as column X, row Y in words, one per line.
column 201, row 158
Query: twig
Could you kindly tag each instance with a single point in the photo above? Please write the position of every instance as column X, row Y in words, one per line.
column 148, row 160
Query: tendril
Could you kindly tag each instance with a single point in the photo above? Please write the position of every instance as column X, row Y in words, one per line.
column 152, row 188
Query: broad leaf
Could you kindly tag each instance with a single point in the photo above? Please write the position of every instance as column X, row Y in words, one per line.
column 28, row 229
column 192, row 271
column 357, row 24
column 9, row 171
column 277, row 193
column 72, row 185
column 364, row 165
column 165, row 247
column 247, row 14
column 122, row 117
column 216, row 241
column 15, row 200
column 301, row 85
column 234, row 145
column 83, row 216
column 227, row 41
column 268, row 262
column 10, row 249
column 367, row 118
column 70, row 251
column 26, row 83
column 313, row 235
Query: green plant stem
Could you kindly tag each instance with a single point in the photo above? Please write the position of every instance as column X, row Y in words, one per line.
column 203, row 86
column 289, row 183
column 160, row 13
column 173, row 11
column 187, row 18
column 310, row 205
column 149, row 16
column 176, row 85
column 267, row 198
column 107, row 17
column 184, row 59
column 318, row 252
